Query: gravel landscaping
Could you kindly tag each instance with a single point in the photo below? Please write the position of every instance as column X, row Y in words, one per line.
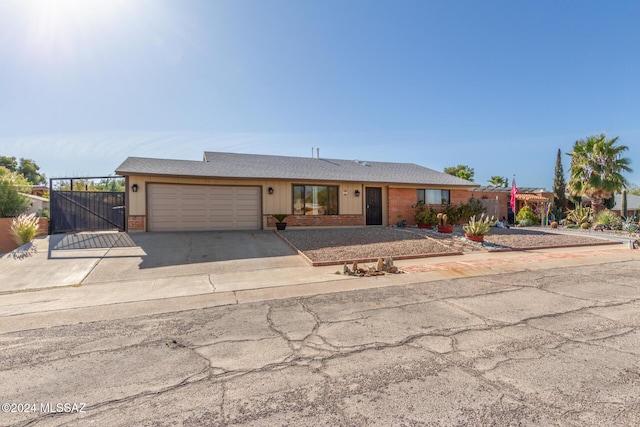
column 523, row 238
column 338, row 244
column 344, row 244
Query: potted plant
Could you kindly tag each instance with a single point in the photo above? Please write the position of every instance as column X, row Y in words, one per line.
column 280, row 225
column 427, row 219
column 443, row 223
column 475, row 230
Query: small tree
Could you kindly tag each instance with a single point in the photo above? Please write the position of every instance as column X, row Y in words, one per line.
column 559, row 188
column 12, row 203
column 26, row 167
column 461, row 171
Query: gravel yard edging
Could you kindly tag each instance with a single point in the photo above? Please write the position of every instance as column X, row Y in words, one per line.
column 534, row 248
column 351, row 261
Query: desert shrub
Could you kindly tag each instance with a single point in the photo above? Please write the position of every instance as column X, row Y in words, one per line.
column 472, row 208
column 526, row 214
column 424, row 215
column 610, row 219
column 24, row 228
column 462, row 212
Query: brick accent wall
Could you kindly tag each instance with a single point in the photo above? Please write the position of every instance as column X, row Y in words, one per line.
column 400, row 202
column 7, row 244
column 320, row 221
column 136, row 223
column 459, row 196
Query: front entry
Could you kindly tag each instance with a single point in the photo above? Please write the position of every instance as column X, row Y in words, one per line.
column 374, row 205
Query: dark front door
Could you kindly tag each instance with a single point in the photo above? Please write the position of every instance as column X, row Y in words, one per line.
column 374, row 206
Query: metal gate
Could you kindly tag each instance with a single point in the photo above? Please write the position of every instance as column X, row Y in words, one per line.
column 83, row 210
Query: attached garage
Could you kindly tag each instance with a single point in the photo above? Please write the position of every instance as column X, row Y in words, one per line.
column 182, row 207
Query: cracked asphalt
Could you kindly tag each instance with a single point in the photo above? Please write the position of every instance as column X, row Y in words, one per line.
column 549, row 347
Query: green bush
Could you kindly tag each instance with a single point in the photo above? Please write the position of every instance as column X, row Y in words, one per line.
column 610, row 219
column 457, row 214
column 526, row 217
column 12, row 203
column 471, row 209
column 24, row 228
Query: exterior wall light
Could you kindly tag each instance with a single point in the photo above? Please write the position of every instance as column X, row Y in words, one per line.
column 270, row 190
column 134, row 188
column 357, row 192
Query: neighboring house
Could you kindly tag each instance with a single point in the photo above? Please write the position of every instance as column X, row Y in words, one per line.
column 497, row 200
column 229, row 191
column 633, row 204
column 39, row 190
column 37, row 204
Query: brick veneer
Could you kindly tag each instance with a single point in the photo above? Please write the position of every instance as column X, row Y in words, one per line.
column 7, row 244
column 401, row 200
column 136, row 223
column 319, row 220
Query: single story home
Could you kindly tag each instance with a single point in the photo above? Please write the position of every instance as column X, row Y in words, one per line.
column 37, row 204
column 231, row 191
column 633, row 204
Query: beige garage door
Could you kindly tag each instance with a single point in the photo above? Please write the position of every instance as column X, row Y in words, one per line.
column 203, row 207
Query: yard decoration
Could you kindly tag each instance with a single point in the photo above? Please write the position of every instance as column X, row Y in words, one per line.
column 280, row 225
column 476, row 229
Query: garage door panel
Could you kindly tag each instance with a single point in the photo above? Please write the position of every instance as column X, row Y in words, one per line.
column 175, row 207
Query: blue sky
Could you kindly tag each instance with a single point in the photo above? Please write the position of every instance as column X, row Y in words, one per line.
column 497, row 85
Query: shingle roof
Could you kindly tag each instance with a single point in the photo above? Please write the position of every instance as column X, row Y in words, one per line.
column 633, row 202
column 258, row 166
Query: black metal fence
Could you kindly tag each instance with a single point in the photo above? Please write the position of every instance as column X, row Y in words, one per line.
column 74, row 210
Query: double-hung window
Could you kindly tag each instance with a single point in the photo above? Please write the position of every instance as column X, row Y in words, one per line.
column 434, row 197
column 315, row 200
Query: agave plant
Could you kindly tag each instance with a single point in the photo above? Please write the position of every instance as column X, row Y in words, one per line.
column 480, row 226
column 580, row 215
column 630, row 225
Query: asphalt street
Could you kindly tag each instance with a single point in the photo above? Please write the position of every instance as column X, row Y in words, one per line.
column 548, row 347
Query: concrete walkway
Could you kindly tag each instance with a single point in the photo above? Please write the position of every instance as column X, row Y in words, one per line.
column 105, row 283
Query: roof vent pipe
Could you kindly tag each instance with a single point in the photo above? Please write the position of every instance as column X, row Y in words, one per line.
column 312, row 152
column 317, row 152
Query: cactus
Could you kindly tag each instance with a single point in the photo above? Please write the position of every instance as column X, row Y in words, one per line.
column 479, row 227
column 623, row 203
column 442, row 219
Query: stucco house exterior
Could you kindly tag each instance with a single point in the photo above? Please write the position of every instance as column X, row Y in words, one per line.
column 231, row 191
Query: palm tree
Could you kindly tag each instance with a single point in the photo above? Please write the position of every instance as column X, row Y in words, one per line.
column 596, row 169
column 498, row 181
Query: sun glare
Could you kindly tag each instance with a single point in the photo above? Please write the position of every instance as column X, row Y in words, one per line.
column 61, row 30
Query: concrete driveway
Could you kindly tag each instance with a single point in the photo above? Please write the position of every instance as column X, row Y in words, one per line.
column 89, row 269
column 84, row 258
